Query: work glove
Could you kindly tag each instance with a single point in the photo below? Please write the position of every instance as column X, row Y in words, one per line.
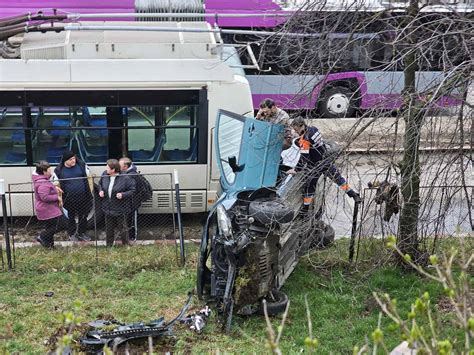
column 354, row 195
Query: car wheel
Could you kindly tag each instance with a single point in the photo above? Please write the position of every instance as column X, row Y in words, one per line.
column 270, row 211
column 328, row 237
column 337, row 102
column 276, row 303
column 321, row 236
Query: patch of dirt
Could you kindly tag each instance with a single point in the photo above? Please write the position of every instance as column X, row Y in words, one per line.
column 370, row 305
column 190, row 339
column 7, row 332
column 445, row 305
column 108, row 317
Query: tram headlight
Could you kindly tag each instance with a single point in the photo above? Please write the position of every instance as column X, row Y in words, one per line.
column 224, row 222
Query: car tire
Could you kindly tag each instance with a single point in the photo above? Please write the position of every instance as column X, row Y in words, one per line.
column 271, row 211
column 325, row 237
column 337, row 102
column 329, row 236
column 276, row 303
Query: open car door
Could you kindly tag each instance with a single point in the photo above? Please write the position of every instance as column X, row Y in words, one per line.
column 248, row 151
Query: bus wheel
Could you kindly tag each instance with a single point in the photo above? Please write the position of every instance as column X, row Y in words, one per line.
column 337, row 102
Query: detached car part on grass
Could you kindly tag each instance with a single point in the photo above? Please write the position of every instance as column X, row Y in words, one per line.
column 253, row 236
column 121, row 333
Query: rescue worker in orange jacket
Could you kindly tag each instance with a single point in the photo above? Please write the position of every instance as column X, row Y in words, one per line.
column 314, row 163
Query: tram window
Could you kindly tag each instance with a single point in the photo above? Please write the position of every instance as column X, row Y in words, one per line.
column 52, row 133
column 171, row 136
column 141, row 138
column 93, row 138
column 57, row 129
column 181, row 139
column 12, row 136
column 147, row 134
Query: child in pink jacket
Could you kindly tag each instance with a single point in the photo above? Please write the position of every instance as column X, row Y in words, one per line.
column 47, row 203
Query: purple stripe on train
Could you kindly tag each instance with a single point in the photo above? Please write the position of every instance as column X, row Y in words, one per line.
column 369, row 99
column 372, row 101
column 19, row 7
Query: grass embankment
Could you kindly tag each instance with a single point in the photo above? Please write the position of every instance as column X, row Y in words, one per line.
column 143, row 283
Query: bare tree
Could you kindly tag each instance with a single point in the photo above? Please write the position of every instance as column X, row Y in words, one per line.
column 407, row 40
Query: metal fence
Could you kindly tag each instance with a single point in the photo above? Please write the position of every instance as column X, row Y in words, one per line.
column 154, row 222
column 445, row 211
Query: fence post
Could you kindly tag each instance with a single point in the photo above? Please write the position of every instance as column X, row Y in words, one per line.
column 5, row 224
column 180, row 224
column 353, row 232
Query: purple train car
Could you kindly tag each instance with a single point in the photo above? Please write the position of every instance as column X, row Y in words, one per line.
column 363, row 78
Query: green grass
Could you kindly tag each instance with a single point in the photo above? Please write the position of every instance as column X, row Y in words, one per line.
column 143, row 283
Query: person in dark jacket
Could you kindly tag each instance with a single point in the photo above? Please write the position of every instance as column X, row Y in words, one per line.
column 271, row 113
column 47, row 203
column 314, row 162
column 72, row 174
column 128, row 168
column 116, row 191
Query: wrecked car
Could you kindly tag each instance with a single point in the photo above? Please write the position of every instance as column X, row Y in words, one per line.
column 253, row 235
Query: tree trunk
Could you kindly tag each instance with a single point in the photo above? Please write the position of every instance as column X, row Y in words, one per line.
column 410, row 167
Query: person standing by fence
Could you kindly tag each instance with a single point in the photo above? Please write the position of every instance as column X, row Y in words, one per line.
column 72, row 174
column 48, row 203
column 143, row 192
column 116, row 191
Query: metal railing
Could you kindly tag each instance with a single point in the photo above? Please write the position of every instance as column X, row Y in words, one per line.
column 148, row 221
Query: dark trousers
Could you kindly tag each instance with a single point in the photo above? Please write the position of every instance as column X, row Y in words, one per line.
column 118, row 223
column 132, row 225
column 81, row 213
column 323, row 167
column 51, row 226
column 327, row 168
